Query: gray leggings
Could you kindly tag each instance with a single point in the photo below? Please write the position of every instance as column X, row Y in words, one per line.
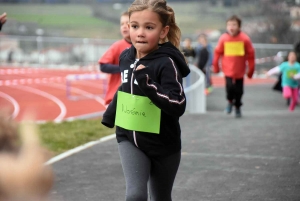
column 139, row 169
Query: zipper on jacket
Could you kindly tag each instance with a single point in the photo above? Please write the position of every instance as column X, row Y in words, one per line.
column 131, row 92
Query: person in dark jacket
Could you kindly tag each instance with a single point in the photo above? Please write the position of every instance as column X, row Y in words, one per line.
column 188, row 50
column 148, row 104
column 204, row 60
column 297, row 50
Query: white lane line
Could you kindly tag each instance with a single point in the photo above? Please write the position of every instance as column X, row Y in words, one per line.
column 78, row 149
column 23, row 81
column 240, row 156
column 91, row 84
column 13, row 102
column 60, row 104
column 79, row 91
column 259, row 113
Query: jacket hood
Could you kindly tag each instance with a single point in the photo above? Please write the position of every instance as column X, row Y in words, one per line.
column 166, row 50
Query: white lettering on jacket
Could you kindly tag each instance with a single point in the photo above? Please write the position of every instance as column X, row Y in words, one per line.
column 124, row 76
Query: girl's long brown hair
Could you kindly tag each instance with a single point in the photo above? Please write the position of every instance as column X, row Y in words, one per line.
column 166, row 15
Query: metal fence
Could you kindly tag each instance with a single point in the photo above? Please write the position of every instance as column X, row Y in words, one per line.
column 46, row 52
column 81, row 52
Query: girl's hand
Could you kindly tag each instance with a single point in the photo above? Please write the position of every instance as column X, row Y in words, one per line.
column 265, row 73
column 3, row 18
column 297, row 76
column 141, row 66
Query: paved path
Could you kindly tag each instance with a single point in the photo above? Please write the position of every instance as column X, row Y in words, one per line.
column 254, row 158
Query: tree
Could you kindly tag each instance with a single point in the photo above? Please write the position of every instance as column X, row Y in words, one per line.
column 278, row 21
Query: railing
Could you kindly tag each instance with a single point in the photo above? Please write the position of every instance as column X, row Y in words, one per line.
column 55, row 51
column 196, row 99
column 51, row 51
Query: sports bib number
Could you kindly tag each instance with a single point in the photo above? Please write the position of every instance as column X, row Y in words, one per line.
column 234, row 48
column 290, row 73
column 137, row 113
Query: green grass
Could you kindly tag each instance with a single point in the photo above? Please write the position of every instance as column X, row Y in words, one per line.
column 78, row 20
column 64, row 136
column 71, row 20
column 53, row 15
column 59, row 20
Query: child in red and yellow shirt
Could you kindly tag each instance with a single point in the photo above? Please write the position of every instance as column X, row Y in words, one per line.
column 109, row 62
column 234, row 49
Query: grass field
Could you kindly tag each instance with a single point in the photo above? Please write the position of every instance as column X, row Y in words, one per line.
column 71, row 20
column 79, row 21
column 61, row 137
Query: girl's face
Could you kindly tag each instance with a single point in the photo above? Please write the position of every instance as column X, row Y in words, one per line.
column 292, row 57
column 146, row 31
column 124, row 20
column 232, row 27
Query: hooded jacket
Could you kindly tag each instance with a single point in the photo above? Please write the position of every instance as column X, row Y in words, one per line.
column 161, row 82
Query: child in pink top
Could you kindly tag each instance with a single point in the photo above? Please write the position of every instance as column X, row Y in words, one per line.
column 290, row 73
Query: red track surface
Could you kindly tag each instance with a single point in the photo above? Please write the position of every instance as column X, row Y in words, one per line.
column 220, row 81
column 43, row 92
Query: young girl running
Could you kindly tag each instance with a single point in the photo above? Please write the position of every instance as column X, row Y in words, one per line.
column 148, row 104
column 290, row 72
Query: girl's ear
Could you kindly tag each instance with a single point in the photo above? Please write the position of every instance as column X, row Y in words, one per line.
column 164, row 32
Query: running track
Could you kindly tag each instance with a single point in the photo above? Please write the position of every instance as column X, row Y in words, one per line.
column 43, row 92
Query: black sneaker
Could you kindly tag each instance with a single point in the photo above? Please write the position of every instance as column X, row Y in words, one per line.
column 228, row 109
column 238, row 112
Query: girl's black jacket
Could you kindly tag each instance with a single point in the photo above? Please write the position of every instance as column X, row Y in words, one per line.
column 161, row 82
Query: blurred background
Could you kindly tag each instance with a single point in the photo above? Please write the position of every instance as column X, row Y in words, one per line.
column 77, row 32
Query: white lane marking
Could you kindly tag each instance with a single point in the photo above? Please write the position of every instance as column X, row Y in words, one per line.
column 23, row 81
column 60, row 104
column 242, row 156
column 86, row 116
column 78, row 149
column 31, row 70
column 79, row 91
column 91, row 84
column 13, row 102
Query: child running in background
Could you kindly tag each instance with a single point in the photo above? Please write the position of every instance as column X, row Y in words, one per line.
column 290, row 73
column 204, row 61
column 149, row 102
column 188, row 50
column 235, row 49
column 109, row 62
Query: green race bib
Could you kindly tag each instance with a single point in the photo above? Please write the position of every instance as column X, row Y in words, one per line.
column 290, row 73
column 137, row 113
